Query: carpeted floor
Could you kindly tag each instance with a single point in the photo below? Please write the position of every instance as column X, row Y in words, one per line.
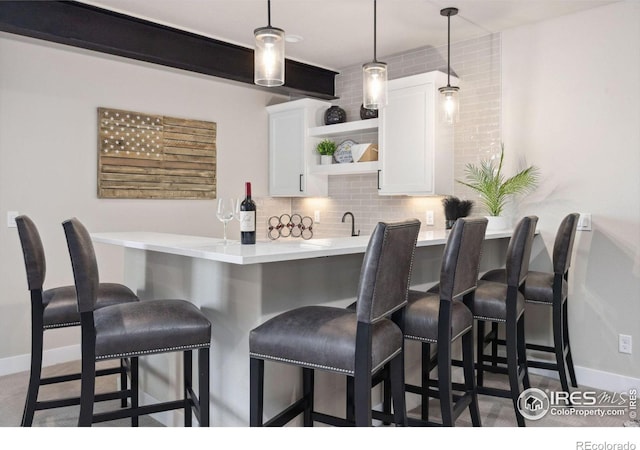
column 495, row 412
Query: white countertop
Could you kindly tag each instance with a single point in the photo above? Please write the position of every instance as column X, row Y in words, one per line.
column 265, row 251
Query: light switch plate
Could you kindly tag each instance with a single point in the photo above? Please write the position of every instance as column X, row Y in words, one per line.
column 11, row 218
column 584, row 222
column 430, row 218
column 624, row 343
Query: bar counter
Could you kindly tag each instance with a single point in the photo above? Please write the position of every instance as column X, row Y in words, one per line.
column 239, row 287
column 266, row 251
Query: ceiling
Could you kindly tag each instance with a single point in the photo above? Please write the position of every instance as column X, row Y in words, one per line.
column 339, row 33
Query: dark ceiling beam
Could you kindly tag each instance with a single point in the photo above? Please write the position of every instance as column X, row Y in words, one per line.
column 86, row 26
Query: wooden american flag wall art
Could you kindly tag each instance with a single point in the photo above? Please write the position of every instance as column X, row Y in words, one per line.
column 155, row 157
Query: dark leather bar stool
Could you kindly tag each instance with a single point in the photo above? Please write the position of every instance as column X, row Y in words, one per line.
column 356, row 343
column 498, row 302
column 551, row 289
column 57, row 308
column 132, row 330
column 441, row 317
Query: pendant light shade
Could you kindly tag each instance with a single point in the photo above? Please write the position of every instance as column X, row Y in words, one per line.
column 374, row 77
column 269, row 54
column 450, row 104
column 450, row 100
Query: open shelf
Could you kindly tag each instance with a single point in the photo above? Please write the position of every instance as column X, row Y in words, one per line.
column 346, row 168
column 345, row 128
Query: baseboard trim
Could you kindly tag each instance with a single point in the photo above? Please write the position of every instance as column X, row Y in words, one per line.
column 22, row 363
column 595, row 378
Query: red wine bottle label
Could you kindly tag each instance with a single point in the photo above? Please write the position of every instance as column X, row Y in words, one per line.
column 247, row 221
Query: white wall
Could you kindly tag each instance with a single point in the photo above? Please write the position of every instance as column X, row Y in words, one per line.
column 571, row 105
column 48, row 159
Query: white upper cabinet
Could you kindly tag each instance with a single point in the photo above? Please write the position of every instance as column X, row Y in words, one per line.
column 416, row 149
column 292, row 152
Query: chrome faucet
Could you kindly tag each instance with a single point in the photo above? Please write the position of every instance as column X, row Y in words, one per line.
column 353, row 230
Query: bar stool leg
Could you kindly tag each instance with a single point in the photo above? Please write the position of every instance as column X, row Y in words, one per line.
column 558, row 342
column 512, row 367
column 123, row 381
column 522, row 353
column 480, row 352
column 362, row 376
column 35, row 373
column 187, row 369
column 426, row 377
column 565, row 334
column 87, row 391
column 362, row 396
column 256, row 375
column 386, row 391
column 135, row 396
column 396, row 374
column 469, row 378
column 307, row 392
column 444, row 384
column 494, row 344
column 203, row 386
column 350, row 407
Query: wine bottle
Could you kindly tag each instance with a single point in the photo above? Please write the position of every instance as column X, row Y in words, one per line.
column 248, row 218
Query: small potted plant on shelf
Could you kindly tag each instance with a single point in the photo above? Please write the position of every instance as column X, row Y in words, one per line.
column 326, row 148
column 489, row 181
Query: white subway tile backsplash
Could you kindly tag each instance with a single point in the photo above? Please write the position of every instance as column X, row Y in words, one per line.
column 477, row 64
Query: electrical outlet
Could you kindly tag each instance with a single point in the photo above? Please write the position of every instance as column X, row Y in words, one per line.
column 11, row 218
column 624, row 343
column 316, row 216
column 430, row 218
column 584, row 222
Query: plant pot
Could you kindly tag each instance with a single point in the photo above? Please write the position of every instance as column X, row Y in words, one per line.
column 496, row 223
column 326, row 159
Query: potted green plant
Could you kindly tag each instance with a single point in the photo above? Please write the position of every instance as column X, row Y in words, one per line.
column 326, row 148
column 489, row 181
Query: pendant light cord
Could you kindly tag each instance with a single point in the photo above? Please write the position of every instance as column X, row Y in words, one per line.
column 269, row 13
column 375, row 59
column 448, row 50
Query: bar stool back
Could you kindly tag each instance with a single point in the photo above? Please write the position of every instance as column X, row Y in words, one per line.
column 503, row 302
column 57, row 308
column 551, row 289
column 441, row 317
column 356, row 343
column 132, row 330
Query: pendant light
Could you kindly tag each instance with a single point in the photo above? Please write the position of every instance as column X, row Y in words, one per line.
column 374, row 77
column 450, row 100
column 269, row 54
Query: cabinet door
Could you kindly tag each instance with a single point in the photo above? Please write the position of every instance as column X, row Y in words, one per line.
column 407, row 139
column 286, row 153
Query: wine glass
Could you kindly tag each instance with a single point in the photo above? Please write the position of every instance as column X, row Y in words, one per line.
column 225, row 213
column 237, row 203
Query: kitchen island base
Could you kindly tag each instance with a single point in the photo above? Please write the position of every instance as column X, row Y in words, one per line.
column 238, row 297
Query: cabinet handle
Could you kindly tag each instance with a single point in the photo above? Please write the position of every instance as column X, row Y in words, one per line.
column 379, row 179
column 301, row 175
